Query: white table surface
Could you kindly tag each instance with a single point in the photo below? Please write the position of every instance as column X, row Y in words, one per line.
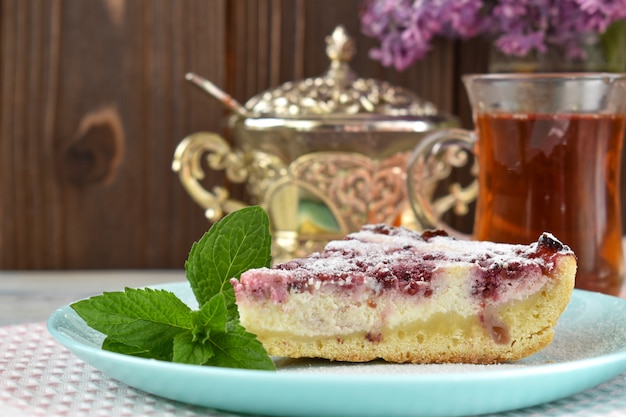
column 39, row 377
column 31, row 296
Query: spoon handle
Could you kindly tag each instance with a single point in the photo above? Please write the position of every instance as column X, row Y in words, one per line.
column 224, row 98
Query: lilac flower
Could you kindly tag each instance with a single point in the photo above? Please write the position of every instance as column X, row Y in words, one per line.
column 406, row 28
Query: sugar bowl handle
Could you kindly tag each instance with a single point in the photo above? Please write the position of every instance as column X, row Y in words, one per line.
column 432, row 161
column 187, row 163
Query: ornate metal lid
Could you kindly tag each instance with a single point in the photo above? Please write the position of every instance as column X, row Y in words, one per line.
column 339, row 92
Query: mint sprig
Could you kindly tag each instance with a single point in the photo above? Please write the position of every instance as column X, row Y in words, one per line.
column 156, row 324
column 232, row 246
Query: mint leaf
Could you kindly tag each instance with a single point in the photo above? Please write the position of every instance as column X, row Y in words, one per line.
column 119, row 347
column 212, row 316
column 141, row 320
column 238, row 242
column 232, row 345
column 239, row 349
column 156, row 324
column 188, row 349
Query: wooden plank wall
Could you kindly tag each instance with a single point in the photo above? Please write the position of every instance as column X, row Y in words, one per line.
column 94, row 103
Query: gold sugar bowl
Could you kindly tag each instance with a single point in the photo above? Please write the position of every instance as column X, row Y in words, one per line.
column 323, row 156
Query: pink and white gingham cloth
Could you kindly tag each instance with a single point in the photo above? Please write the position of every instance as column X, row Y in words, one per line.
column 39, row 377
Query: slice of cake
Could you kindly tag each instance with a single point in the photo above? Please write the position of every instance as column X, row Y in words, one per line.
column 401, row 296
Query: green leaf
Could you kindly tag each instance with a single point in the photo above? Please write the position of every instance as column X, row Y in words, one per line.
column 188, row 349
column 212, row 316
column 239, row 349
column 143, row 320
column 119, row 347
column 238, row 242
column 194, row 347
column 614, row 45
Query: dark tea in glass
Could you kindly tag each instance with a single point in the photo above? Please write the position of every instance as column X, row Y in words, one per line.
column 548, row 150
column 555, row 173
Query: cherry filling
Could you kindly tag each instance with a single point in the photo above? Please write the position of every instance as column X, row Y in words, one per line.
column 540, row 259
column 549, row 244
column 496, row 274
column 497, row 329
column 403, row 272
column 405, row 265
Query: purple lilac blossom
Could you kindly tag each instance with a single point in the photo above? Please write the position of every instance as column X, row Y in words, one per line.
column 406, row 28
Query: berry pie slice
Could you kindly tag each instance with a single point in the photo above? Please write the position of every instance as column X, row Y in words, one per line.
column 394, row 294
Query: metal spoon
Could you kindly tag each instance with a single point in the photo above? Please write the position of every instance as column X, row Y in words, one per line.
column 214, row 91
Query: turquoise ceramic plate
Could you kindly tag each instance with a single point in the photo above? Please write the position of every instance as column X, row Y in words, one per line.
column 589, row 348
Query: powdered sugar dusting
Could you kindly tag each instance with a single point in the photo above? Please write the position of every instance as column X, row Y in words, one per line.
column 382, row 258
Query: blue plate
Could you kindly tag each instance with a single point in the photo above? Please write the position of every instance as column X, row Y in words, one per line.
column 589, row 348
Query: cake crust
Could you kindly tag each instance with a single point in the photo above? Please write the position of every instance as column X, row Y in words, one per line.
column 394, row 294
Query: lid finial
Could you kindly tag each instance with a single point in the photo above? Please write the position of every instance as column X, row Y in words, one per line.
column 339, row 45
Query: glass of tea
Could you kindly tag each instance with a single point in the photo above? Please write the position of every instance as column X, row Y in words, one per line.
column 548, row 151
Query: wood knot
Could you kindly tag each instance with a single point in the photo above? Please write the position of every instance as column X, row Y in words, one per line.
column 95, row 151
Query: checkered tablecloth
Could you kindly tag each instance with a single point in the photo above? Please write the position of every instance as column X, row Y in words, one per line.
column 39, row 377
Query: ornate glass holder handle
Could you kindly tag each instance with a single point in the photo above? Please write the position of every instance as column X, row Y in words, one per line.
column 431, row 162
column 219, row 156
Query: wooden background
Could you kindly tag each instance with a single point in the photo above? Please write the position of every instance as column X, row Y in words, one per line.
column 94, row 103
